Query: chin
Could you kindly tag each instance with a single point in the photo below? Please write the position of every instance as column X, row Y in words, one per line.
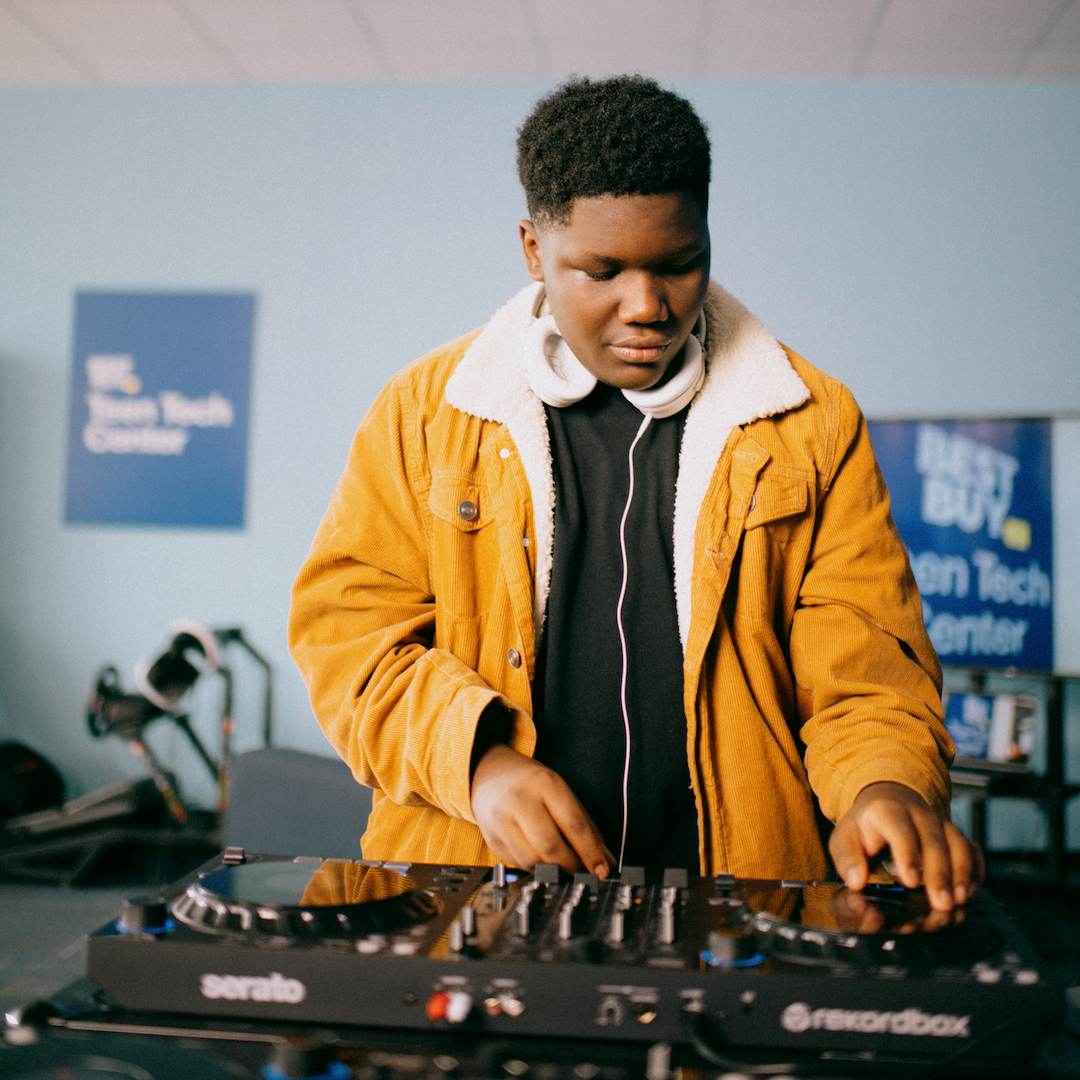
column 635, row 379
column 623, row 381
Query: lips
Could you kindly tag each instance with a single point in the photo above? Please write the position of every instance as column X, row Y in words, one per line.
column 641, row 350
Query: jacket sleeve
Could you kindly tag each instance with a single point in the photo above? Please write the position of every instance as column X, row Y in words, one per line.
column 868, row 682
column 401, row 713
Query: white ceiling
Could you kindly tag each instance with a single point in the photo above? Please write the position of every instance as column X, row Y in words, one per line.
column 114, row 42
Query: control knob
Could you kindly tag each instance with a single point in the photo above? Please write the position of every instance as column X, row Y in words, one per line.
column 731, row 946
column 617, row 928
column 453, row 1006
column 310, row 1059
column 144, row 915
column 468, row 920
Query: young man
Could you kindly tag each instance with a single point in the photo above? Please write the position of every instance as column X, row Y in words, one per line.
column 614, row 579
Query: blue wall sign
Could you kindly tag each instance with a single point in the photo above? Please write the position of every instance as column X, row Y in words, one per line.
column 159, row 408
column 972, row 501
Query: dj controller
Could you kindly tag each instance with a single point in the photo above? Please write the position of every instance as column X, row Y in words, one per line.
column 775, row 965
column 272, row 967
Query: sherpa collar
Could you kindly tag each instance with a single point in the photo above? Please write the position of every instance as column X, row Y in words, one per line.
column 748, row 377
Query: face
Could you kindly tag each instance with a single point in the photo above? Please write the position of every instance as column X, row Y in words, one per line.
column 625, row 278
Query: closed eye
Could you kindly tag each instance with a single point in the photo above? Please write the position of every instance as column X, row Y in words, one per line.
column 684, row 267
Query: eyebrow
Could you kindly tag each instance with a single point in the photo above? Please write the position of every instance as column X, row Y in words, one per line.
column 693, row 248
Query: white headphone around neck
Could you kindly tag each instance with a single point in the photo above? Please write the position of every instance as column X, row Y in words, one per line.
column 558, row 377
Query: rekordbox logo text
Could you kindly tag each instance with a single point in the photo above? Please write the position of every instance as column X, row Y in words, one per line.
column 799, row 1017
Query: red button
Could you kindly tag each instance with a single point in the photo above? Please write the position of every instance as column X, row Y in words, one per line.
column 436, row 1005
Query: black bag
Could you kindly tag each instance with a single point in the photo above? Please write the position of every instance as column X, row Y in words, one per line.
column 27, row 781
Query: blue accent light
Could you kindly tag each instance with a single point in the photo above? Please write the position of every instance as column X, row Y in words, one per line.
column 169, row 925
column 336, row 1070
column 707, row 956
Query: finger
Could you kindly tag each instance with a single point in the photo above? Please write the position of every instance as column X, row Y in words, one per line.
column 849, row 855
column 906, row 848
column 936, row 856
column 511, row 846
column 579, row 831
column 547, row 844
column 935, row 920
column 528, row 836
column 500, row 826
column 508, row 797
column 961, row 855
column 978, row 868
column 587, row 844
column 860, row 916
column 847, row 908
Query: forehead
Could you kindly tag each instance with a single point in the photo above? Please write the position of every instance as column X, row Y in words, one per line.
column 629, row 228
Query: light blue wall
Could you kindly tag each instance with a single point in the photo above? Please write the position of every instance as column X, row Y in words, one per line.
column 921, row 241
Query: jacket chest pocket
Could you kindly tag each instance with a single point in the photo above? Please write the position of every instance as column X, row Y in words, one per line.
column 464, row 545
column 775, row 545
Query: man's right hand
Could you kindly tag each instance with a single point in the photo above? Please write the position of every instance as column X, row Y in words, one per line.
column 529, row 815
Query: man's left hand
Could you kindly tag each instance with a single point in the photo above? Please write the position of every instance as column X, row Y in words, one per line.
column 925, row 849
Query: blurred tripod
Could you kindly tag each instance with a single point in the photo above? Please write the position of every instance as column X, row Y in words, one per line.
column 163, row 685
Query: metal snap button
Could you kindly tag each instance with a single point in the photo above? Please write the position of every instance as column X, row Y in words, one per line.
column 753, row 501
column 504, row 453
column 467, row 510
column 514, row 657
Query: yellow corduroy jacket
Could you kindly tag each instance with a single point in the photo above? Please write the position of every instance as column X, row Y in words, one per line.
column 807, row 670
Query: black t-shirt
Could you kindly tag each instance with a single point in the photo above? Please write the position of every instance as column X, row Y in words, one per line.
column 581, row 733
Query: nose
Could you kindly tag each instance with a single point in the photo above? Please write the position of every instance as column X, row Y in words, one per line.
column 643, row 299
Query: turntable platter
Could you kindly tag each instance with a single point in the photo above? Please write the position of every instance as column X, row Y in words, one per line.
column 884, row 925
column 305, row 884
column 277, row 899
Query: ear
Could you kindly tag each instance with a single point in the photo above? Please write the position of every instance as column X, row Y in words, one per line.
column 530, row 248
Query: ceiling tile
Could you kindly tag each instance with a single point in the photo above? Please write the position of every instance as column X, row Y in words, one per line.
column 208, row 41
column 1058, row 57
column 660, row 38
column 786, row 38
column 129, row 41
column 1066, row 33
column 27, row 59
column 1053, row 64
column 466, row 39
column 957, row 38
column 282, row 40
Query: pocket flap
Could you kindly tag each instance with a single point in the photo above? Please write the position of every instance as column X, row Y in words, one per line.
column 776, row 497
column 461, row 501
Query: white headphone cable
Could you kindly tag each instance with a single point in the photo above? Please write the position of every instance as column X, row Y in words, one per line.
column 622, row 639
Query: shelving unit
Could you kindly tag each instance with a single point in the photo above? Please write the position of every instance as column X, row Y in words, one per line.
column 1049, row 790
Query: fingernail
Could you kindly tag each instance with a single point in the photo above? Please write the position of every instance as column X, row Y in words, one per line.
column 851, row 879
column 960, row 894
column 600, row 870
column 944, row 898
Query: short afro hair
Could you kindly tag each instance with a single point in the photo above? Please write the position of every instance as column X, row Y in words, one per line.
column 621, row 136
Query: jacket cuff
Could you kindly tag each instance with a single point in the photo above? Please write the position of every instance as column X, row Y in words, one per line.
column 934, row 787
column 479, row 709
